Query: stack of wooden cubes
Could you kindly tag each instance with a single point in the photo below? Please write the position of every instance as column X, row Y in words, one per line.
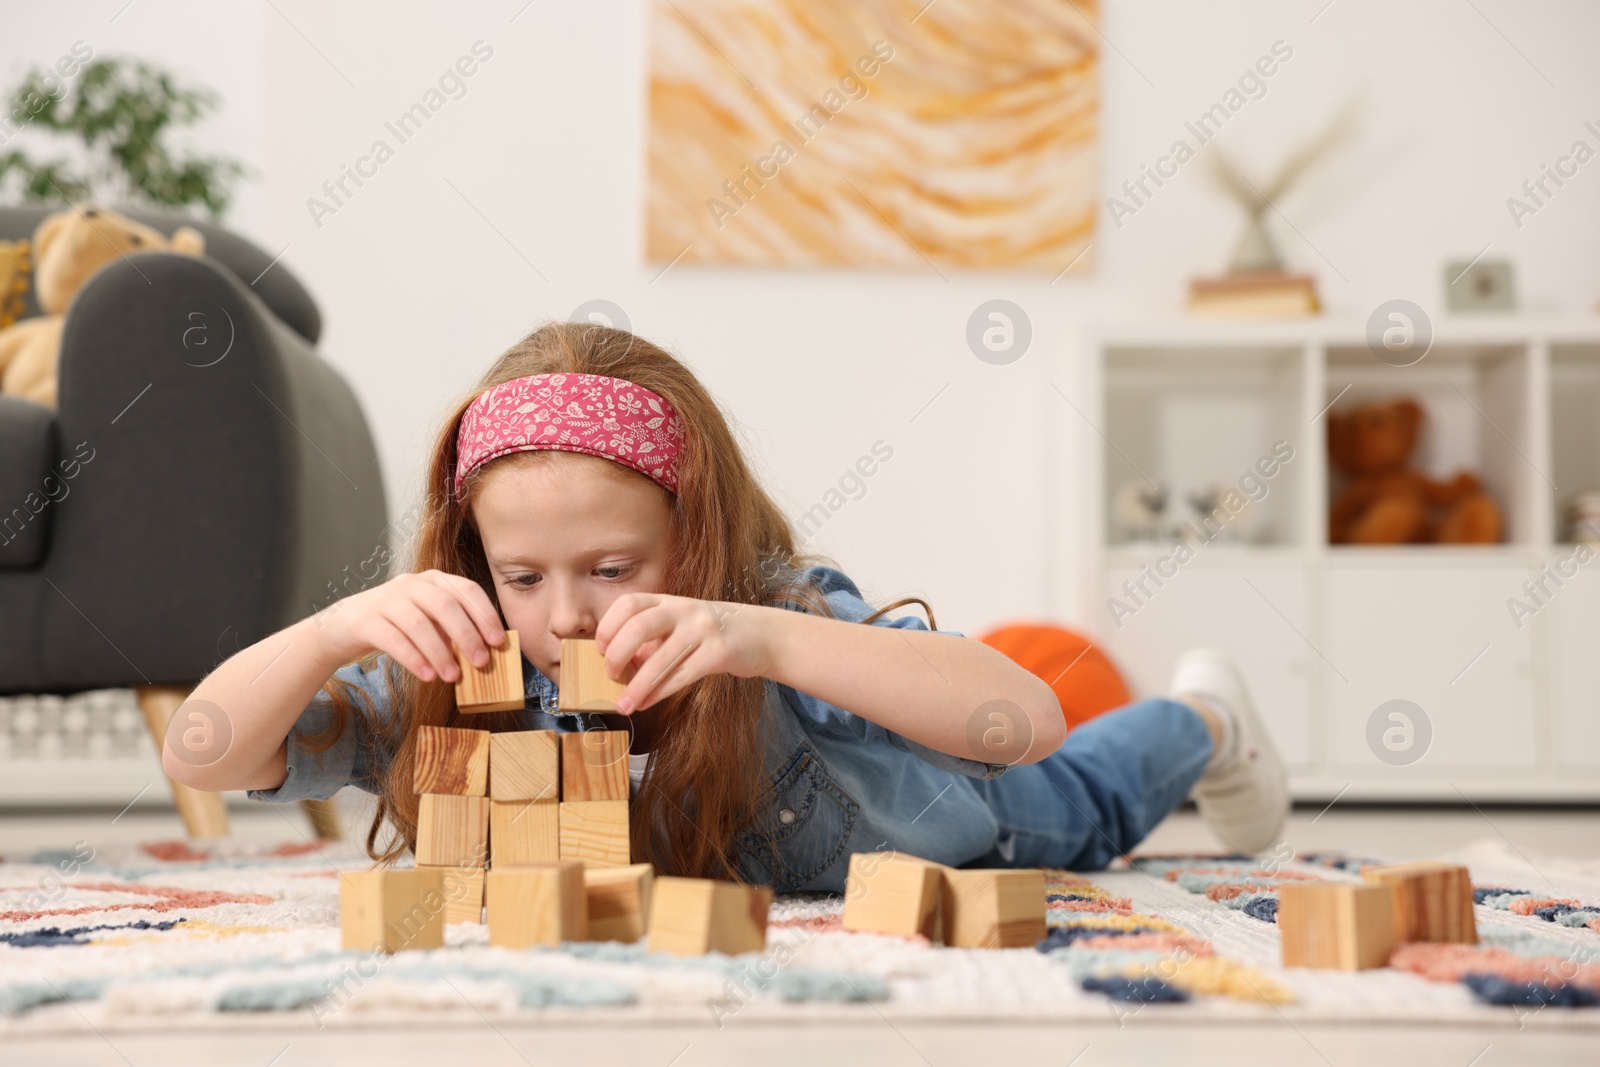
column 529, row 829
column 524, row 797
column 594, row 763
column 390, row 909
column 552, row 795
column 594, row 797
column 451, row 780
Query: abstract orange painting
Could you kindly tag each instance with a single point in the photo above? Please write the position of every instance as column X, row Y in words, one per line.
column 878, row 133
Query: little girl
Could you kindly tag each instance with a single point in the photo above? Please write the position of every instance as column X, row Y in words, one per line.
column 591, row 488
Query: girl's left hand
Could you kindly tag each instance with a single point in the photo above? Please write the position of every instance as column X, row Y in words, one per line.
column 674, row 641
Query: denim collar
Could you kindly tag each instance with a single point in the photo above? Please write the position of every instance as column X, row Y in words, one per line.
column 540, row 690
column 541, row 710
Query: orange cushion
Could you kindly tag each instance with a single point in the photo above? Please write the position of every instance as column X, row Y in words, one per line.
column 1085, row 681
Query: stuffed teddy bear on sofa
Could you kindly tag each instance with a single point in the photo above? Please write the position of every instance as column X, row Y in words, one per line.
column 67, row 248
column 1386, row 502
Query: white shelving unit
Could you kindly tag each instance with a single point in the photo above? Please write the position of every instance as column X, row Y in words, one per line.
column 1329, row 634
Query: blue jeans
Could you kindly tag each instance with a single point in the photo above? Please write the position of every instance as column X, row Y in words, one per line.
column 1093, row 799
column 1101, row 793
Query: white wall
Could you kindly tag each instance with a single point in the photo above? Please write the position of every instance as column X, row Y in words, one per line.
column 1464, row 103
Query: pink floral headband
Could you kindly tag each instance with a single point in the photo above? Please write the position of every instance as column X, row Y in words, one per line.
column 588, row 413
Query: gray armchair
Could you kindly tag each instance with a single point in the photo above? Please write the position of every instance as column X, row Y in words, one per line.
column 207, row 480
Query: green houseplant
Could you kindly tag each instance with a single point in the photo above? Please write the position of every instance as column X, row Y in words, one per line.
column 120, row 113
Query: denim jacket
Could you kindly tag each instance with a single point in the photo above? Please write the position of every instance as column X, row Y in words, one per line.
column 835, row 783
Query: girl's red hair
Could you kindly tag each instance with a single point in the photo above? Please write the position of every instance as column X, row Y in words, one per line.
column 730, row 543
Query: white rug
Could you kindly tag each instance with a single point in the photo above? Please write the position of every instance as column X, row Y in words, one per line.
column 174, row 935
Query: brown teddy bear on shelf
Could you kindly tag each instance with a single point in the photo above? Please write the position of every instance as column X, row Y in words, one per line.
column 67, row 248
column 1384, row 501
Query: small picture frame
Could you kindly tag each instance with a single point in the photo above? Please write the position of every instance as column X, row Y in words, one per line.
column 1486, row 285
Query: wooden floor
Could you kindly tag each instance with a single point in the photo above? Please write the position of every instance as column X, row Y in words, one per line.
column 882, row 1046
column 1398, row 833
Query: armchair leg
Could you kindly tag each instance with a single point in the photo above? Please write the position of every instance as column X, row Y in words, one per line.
column 204, row 814
column 324, row 819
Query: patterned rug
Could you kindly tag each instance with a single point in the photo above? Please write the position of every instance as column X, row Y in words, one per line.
column 182, row 935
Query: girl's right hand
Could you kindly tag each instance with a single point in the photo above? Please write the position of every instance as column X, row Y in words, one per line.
column 415, row 618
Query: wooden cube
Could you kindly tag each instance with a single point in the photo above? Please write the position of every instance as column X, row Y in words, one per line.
column 463, row 893
column 619, row 901
column 992, row 908
column 585, row 686
column 1336, row 924
column 495, row 687
column 1432, row 901
column 594, row 765
column 595, row 831
column 538, row 904
column 452, row 760
column 694, row 916
column 452, row 831
column 390, row 910
column 892, row 893
column 524, row 831
column 525, row 765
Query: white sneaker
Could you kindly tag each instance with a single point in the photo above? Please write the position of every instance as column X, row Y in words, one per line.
column 1245, row 799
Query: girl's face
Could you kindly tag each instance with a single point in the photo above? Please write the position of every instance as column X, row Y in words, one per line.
column 564, row 537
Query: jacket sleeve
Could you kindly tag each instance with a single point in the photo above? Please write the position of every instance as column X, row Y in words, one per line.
column 831, row 720
column 352, row 759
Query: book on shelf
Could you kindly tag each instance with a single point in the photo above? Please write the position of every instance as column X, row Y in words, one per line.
column 1258, row 294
